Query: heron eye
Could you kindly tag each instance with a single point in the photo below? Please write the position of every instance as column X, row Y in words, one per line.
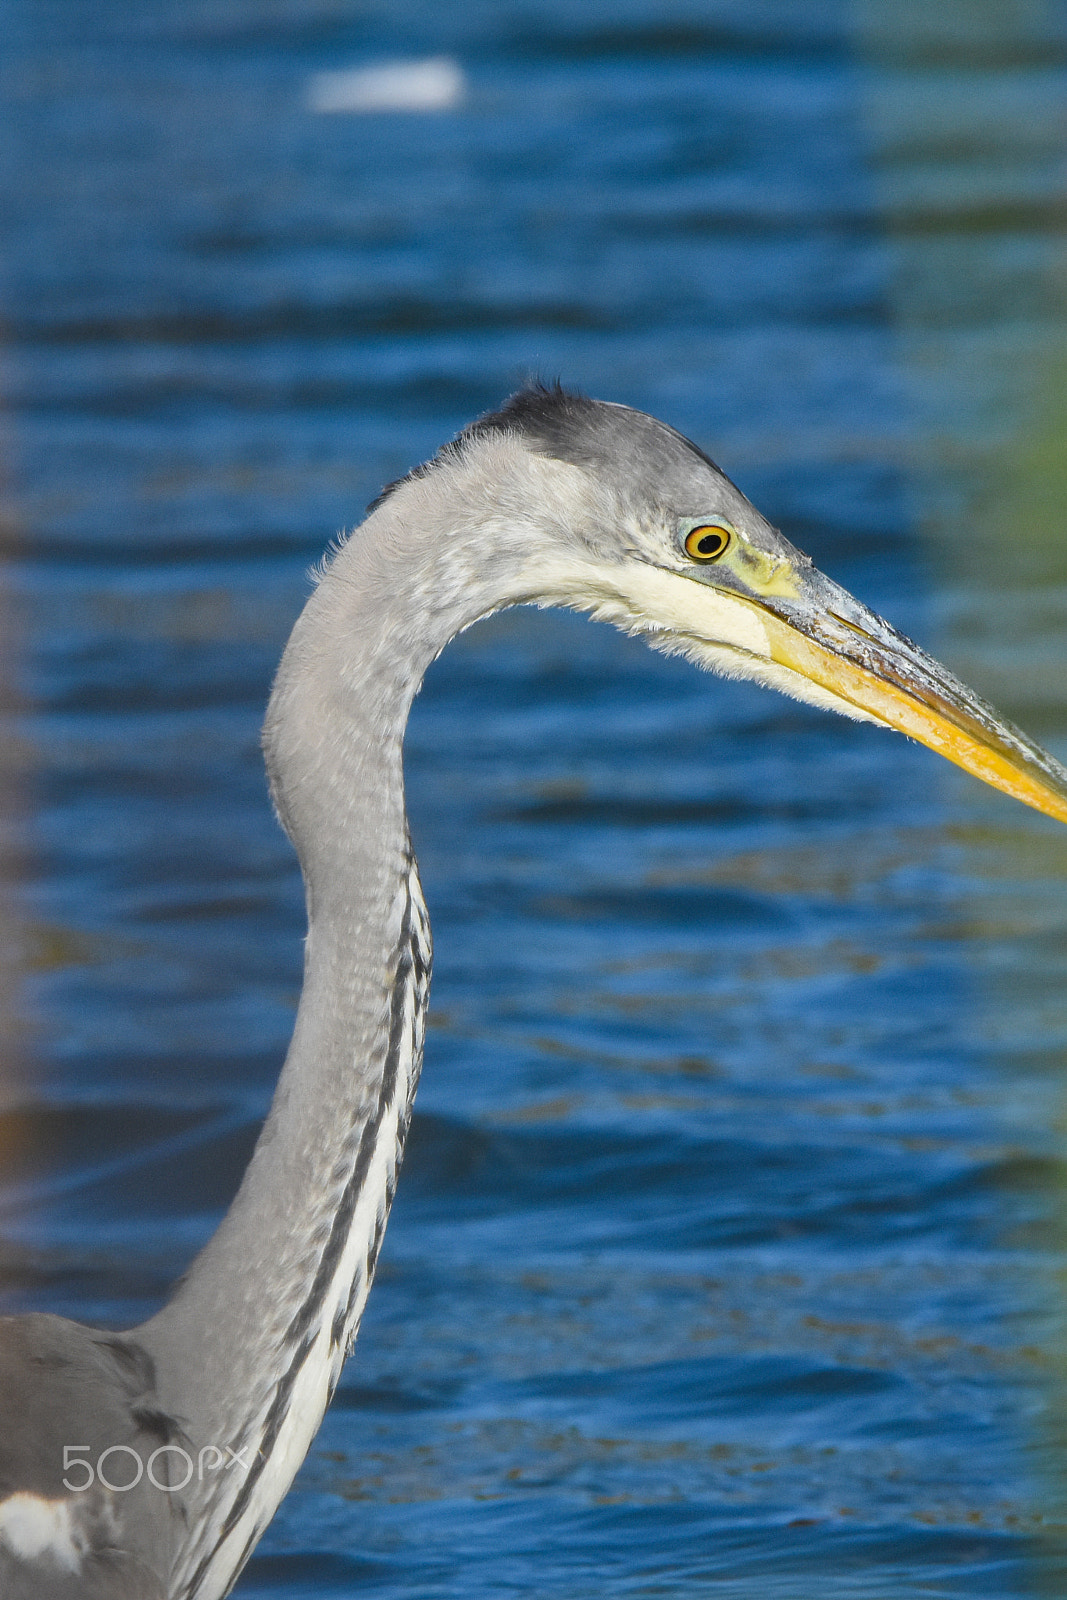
column 707, row 543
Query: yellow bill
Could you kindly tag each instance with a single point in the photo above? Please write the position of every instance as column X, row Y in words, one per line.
column 837, row 643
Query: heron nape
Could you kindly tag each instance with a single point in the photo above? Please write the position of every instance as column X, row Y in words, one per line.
column 147, row 1463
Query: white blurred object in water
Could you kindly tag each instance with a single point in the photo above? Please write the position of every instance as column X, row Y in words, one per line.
column 435, row 84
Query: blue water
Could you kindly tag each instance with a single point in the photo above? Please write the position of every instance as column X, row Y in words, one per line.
column 724, row 1259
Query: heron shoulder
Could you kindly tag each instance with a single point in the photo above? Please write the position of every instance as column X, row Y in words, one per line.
column 70, row 1395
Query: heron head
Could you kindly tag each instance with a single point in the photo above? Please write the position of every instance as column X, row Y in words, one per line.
column 648, row 533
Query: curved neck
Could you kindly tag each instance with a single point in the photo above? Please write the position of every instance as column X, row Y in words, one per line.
column 250, row 1347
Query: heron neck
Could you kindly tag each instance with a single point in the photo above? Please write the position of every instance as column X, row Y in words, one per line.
column 248, row 1350
column 252, row 1343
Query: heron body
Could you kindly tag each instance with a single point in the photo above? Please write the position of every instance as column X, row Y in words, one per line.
column 186, row 1432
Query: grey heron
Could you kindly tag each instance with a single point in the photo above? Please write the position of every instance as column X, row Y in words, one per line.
column 148, row 1463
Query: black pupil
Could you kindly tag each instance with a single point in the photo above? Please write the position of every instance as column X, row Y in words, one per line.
column 711, row 544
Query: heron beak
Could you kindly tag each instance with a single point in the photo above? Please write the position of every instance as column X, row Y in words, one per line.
column 822, row 633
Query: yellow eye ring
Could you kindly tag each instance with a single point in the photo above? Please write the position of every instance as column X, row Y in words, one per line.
column 708, row 542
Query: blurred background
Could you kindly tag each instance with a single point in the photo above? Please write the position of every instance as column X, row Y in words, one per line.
column 728, row 1253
